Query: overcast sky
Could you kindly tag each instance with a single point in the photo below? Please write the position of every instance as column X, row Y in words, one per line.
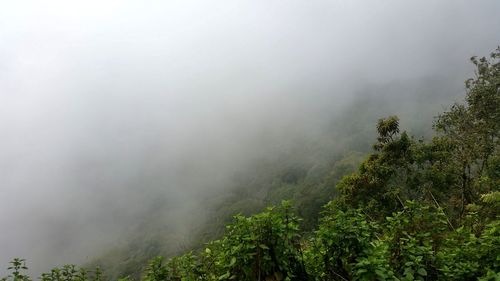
column 106, row 104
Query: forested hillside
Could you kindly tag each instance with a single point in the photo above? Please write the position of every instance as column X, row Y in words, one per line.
column 416, row 207
column 305, row 173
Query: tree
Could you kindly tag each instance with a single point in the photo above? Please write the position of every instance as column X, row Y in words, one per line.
column 471, row 131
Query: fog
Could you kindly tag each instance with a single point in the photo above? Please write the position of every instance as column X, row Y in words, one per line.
column 108, row 108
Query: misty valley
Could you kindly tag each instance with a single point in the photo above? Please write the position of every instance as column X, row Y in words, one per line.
column 249, row 140
column 411, row 209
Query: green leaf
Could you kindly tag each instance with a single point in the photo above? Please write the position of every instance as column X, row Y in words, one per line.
column 233, row 261
column 224, row 276
column 264, row 247
column 422, row 272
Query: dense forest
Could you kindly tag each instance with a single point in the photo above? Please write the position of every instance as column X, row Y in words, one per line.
column 412, row 209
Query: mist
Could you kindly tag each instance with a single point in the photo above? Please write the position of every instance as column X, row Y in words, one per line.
column 110, row 109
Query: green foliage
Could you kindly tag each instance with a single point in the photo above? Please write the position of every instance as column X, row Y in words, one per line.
column 466, row 255
column 413, row 236
column 387, row 129
column 17, row 268
column 471, row 132
column 263, row 246
column 65, row 273
column 453, row 171
column 342, row 240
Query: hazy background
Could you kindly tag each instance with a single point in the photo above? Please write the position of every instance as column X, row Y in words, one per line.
column 109, row 108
